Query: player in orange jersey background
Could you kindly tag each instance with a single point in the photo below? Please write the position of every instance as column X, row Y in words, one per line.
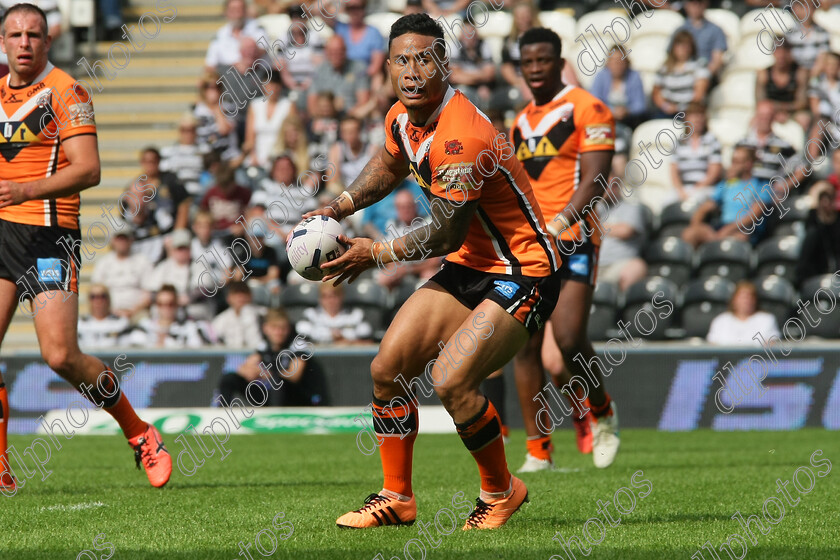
column 48, row 154
column 565, row 140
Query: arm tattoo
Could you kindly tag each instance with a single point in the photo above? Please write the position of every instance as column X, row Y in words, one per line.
column 446, row 232
column 374, row 182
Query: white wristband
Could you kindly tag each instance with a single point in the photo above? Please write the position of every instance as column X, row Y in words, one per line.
column 352, row 202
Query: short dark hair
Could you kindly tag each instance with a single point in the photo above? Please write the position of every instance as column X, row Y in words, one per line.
column 239, row 287
column 150, row 150
column 421, row 24
column 25, row 7
column 542, row 35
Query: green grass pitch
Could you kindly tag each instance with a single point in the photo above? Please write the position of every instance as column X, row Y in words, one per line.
column 700, row 479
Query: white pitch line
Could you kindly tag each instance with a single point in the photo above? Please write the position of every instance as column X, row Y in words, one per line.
column 74, row 507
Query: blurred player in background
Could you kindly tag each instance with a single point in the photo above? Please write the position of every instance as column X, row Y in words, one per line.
column 565, row 139
column 497, row 285
column 50, row 154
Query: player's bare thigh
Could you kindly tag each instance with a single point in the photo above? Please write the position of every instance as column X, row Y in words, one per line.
column 56, row 321
column 427, row 318
column 570, row 318
column 485, row 341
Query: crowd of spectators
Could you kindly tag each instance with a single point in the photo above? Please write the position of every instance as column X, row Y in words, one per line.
column 303, row 133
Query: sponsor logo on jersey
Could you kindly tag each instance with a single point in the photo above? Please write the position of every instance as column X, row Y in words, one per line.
column 36, row 89
column 453, row 147
column 12, row 98
column 507, row 289
column 598, row 135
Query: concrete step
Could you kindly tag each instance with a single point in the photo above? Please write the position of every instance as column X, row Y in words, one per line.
column 124, row 119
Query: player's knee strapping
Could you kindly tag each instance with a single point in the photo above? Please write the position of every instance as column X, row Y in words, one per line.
column 395, row 417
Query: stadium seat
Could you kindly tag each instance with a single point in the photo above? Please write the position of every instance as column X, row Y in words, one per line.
column 655, row 195
column 276, row 26
column 789, row 229
column 731, row 127
column 792, row 132
column 702, row 301
column 640, row 296
column 736, row 91
column 648, row 78
column 603, row 313
column 396, row 6
column 648, row 53
column 729, row 22
column 820, row 290
column 496, row 45
column 674, row 218
column 750, row 28
column 600, row 19
column 777, row 256
column 382, row 21
column 562, row 24
column 373, row 300
column 828, row 20
column 748, row 57
column 296, row 297
column 498, row 24
column 728, row 258
column 669, row 257
column 776, row 296
column 662, row 23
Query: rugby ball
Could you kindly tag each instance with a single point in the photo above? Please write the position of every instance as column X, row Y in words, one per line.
column 313, row 242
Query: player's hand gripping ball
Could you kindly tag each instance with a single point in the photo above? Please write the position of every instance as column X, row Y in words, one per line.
column 313, row 242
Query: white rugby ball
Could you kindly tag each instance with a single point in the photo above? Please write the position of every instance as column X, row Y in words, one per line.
column 313, row 242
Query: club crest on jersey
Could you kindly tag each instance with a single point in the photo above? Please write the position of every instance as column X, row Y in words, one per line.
column 507, row 289
column 453, row 147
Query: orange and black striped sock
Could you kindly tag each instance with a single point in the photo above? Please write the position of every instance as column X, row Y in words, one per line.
column 540, row 447
column 106, row 392
column 4, row 423
column 602, row 410
column 395, row 422
column 482, row 436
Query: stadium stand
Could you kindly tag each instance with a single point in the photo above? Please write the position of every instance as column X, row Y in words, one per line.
column 702, row 301
column 642, row 310
column 133, row 111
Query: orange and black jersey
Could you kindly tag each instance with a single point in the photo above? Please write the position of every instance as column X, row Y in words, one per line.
column 34, row 121
column 549, row 140
column 458, row 155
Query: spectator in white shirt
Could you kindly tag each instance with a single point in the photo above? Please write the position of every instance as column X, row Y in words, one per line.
column 740, row 324
column 223, row 51
column 175, row 269
column 239, row 325
column 125, row 275
column 331, row 323
column 100, row 329
column 167, row 327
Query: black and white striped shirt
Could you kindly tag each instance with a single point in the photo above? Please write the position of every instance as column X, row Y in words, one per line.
column 774, row 156
column 806, row 49
column 827, row 93
column 693, row 161
column 678, row 84
column 101, row 333
column 186, row 161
